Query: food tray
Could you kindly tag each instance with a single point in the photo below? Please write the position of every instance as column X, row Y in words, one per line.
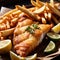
column 41, row 47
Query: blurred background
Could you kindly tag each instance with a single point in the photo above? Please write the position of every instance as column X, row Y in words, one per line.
column 12, row 3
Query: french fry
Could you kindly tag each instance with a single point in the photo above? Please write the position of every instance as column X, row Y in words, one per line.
column 34, row 3
column 56, row 11
column 57, row 5
column 5, row 33
column 39, row 2
column 45, row 15
column 3, row 20
column 54, row 19
column 38, row 17
column 2, row 26
column 43, row 20
column 24, row 6
column 52, row 3
column 14, row 21
column 11, row 16
column 40, row 10
column 7, row 24
column 32, row 9
column 49, row 16
column 17, row 12
column 38, row 5
column 47, row 8
column 27, row 12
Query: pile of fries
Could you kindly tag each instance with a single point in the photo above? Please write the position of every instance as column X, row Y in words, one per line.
column 43, row 12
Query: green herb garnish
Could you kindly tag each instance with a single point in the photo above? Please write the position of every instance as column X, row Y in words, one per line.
column 32, row 29
column 35, row 26
column 29, row 29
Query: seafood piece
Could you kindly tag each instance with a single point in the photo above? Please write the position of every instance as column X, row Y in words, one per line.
column 29, row 39
column 19, row 38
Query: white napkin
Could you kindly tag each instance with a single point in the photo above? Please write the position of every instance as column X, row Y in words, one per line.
column 4, row 10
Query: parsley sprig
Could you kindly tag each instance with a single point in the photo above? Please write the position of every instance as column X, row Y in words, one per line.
column 35, row 26
column 31, row 30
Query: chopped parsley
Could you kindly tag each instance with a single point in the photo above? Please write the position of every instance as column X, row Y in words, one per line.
column 30, row 29
column 35, row 26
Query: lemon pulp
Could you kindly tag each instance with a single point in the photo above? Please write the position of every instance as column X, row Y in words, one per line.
column 16, row 57
column 5, row 46
column 56, row 28
column 50, row 47
column 53, row 36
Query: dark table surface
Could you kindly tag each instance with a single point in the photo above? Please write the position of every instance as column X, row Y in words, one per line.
column 41, row 47
column 12, row 3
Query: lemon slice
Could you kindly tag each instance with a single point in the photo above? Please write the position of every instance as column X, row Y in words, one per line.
column 5, row 46
column 56, row 28
column 16, row 57
column 33, row 57
column 53, row 36
column 50, row 47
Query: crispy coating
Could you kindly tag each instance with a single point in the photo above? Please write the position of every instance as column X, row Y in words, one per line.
column 24, row 41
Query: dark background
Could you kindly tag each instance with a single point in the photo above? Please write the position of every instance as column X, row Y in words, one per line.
column 12, row 3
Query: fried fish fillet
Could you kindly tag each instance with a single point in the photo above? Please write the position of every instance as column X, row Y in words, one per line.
column 26, row 41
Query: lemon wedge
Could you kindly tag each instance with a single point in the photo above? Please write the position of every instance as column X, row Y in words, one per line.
column 56, row 28
column 16, row 57
column 50, row 47
column 32, row 57
column 5, row 46
column 53, row 36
